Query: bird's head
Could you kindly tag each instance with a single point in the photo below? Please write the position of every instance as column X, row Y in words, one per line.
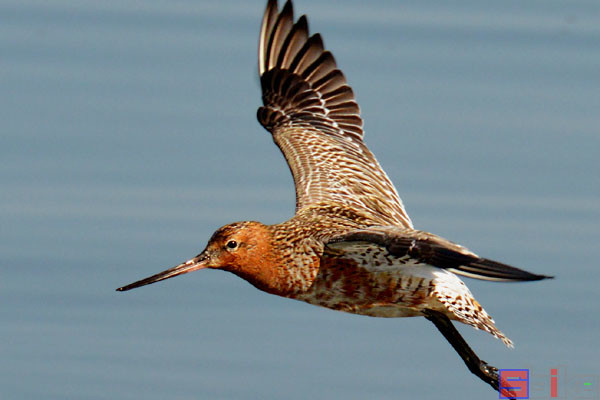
column 243, row 248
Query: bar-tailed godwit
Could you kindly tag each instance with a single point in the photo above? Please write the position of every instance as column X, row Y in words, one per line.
column 351, row 246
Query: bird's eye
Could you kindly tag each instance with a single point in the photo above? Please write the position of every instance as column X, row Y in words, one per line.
column 232, row 244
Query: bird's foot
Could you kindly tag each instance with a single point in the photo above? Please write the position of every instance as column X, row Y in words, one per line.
column 489, row 373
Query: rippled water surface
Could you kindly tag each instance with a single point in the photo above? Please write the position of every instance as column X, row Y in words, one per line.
column 128, row 134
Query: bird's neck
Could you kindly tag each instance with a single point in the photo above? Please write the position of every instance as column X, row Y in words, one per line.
column 285, row 258
column 279, row 261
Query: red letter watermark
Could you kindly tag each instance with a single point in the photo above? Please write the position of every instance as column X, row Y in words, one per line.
column 514, row 383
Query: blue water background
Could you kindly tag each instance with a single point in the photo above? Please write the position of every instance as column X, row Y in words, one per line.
column 128, row 135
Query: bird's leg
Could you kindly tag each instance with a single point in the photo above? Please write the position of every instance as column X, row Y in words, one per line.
column 485, row 372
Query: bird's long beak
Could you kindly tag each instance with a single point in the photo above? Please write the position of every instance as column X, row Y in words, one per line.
column 198, row 262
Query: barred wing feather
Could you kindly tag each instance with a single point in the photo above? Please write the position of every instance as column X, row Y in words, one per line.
column 436, row 251
column 311, row 112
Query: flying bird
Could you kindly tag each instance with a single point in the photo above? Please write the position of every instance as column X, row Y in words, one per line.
column 350, row 246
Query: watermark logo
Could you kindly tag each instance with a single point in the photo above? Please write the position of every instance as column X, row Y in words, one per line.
column 514, row 384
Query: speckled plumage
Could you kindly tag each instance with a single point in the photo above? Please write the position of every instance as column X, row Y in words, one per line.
column 351, row 246
column 315, row 120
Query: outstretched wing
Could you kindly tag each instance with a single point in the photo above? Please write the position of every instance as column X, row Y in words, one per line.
column 314, row 119
column 427, row 248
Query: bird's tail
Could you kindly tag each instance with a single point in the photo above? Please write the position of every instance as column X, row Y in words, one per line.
column 462, row 306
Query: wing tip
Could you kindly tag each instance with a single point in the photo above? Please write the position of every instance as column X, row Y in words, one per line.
column 289, row 55
column 486, row 269
column 269, row 17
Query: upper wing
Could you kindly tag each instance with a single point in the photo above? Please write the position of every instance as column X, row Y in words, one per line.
column 438, row 252
column 315, row 121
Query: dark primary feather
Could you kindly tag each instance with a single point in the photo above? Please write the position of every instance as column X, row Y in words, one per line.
column 300, row 79
column 439, row 252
